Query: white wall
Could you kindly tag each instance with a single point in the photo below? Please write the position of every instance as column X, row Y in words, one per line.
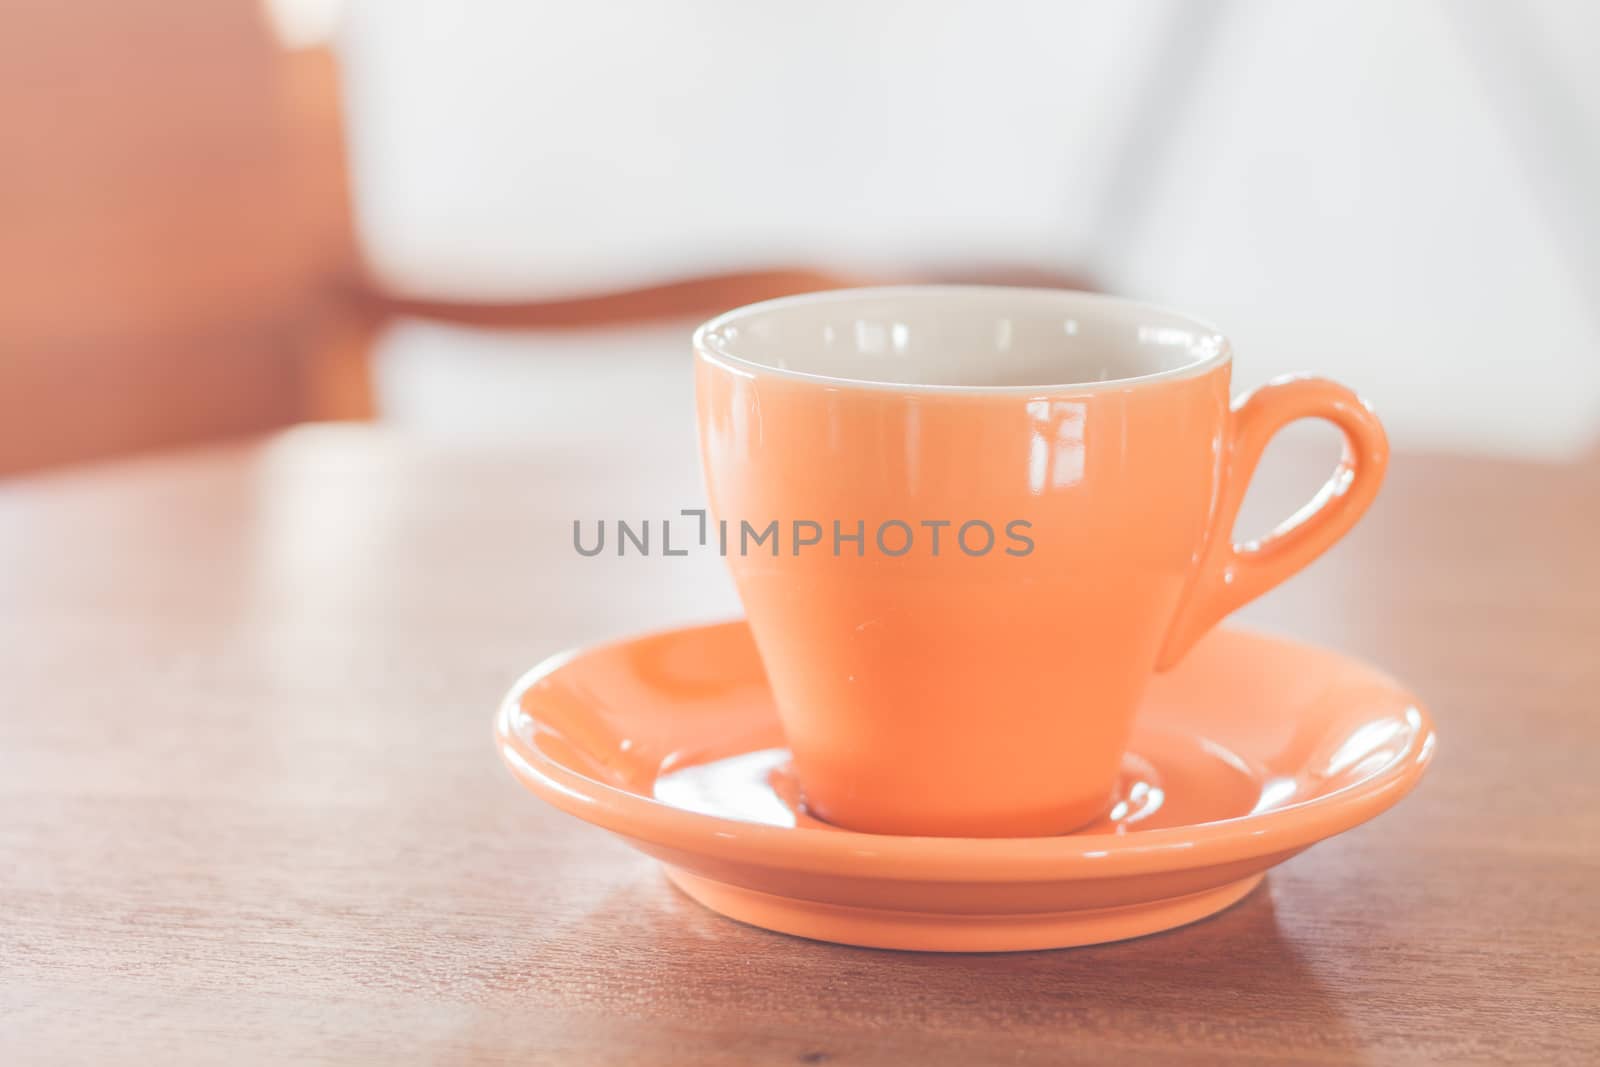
column 1393, row 194
column 1345, row 192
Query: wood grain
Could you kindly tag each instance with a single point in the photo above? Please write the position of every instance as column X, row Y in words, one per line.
column 249, row 811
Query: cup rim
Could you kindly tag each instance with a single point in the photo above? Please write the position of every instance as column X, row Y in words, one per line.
column 706, row 340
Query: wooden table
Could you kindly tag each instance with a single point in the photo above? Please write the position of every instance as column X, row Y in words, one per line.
column 249, row 810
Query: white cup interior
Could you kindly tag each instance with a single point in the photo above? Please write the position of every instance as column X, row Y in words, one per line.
column 963, row 337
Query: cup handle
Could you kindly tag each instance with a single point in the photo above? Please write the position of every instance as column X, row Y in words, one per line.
column 1228, row 574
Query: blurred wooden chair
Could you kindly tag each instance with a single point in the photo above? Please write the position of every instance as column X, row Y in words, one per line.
column 179, row 260
column 174, row 223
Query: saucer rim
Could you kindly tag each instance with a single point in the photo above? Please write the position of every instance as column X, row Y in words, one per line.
column 977, row 859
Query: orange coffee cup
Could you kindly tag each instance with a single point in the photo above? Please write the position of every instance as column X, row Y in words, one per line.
column 967, row 524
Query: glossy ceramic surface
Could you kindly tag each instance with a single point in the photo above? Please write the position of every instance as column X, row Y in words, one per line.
column 1249, row 751
column 1086, row 465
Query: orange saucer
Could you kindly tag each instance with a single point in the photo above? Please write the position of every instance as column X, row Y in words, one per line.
column 1251, row 750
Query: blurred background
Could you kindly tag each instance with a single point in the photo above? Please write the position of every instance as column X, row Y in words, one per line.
column 500, row 218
